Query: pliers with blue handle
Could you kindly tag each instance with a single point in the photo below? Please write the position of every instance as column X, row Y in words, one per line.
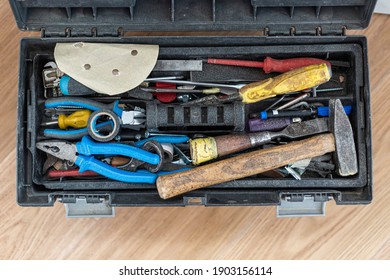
column 179, row 139
column 82, row 153
column 83, row 103
column 127, row 117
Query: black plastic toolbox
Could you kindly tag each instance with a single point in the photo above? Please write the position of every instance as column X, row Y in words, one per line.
column 287, row 29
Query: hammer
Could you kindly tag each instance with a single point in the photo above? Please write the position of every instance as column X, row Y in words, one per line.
column 340, row 141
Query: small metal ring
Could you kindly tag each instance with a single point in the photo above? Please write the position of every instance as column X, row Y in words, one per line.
column 92, row 122
column 168, row 151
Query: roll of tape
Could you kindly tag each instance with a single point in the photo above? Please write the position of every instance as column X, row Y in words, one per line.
column 92, row 125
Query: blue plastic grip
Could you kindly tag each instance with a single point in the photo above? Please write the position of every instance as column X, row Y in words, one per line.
column 348, row 109
column 324, row 111
column 140, row 176
column 72, row 134
column 164, row 139
column 64, row 82
column 88, row 147
column 90, row 163
column 83, row 103
column 263, row 115
column 116, row 109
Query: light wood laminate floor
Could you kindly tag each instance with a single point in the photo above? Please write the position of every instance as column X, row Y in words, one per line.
column 347, row 232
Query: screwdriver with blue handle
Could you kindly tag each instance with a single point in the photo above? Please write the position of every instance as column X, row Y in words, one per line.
column 321, row 111
column 277, row 120
column 71, row 87
column 292, row 81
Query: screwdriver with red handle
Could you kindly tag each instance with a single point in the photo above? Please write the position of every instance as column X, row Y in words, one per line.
column 270, row 65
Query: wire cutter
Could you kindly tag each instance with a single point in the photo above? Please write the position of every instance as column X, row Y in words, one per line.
column 82, row 154
column 131, row 118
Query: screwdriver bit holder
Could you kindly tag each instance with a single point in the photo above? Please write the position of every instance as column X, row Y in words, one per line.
column 195, row 119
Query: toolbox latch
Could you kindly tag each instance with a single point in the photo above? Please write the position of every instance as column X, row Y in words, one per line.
column 81, row 207
column 190, row 200
column 301, row 206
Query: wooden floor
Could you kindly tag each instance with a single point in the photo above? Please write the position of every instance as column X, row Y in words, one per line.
column 347, row 232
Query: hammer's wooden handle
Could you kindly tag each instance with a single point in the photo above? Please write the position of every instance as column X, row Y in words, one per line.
column 243, row 165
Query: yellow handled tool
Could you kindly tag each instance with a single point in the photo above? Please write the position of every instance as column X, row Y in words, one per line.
column 291, row 81
column 205, row 149
column 78, row 119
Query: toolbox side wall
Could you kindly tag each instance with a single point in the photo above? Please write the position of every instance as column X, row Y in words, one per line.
column 241, row 192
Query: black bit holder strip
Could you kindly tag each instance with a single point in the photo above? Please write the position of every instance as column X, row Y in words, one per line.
column 166, row 117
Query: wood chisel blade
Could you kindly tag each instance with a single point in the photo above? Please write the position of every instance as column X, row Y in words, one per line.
column 178, row 65
column 303, row 129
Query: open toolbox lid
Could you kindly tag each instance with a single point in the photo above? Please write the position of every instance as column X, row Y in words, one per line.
column 110, row 18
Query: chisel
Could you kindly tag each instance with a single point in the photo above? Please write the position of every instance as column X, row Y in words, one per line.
column 257, row 125
column 178, row 65
column 205, row 149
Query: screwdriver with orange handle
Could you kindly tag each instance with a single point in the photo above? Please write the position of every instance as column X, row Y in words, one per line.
column 78, row 119
column 270, row 65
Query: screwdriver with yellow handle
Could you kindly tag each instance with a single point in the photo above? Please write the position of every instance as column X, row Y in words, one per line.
column 78, row 119
column 292, row 81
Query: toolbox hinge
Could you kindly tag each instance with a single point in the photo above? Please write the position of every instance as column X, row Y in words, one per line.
column 69, row 32
column 87, row 206
column 293, row 31
column 303, row 205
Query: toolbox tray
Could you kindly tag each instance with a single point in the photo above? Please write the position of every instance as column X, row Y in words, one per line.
column 76, row 21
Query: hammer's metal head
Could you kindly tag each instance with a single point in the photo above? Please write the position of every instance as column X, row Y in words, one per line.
column 345, row 155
